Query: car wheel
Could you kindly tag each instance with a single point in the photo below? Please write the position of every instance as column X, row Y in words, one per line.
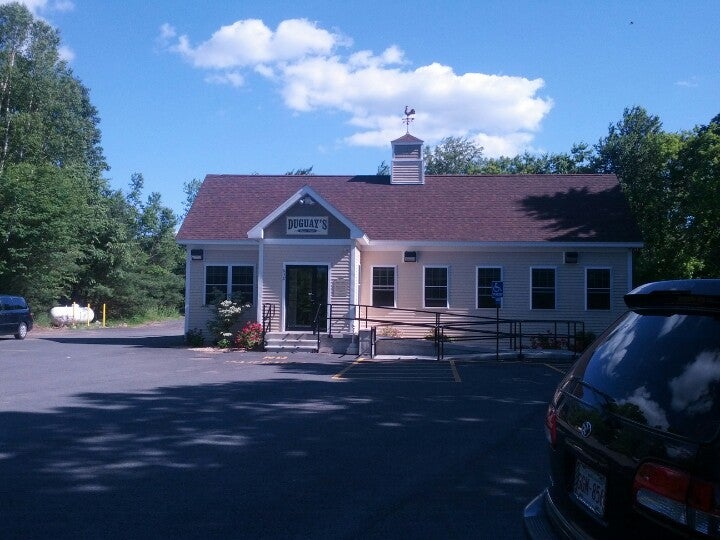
column 21, row 331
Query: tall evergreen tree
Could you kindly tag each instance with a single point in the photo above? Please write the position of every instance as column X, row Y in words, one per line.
column 64, row 235
column 50, row 161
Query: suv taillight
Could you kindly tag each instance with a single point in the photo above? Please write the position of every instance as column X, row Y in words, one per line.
column 551, row 425
column 679, row 496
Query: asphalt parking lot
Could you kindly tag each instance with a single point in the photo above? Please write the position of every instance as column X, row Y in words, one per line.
column 121, row 433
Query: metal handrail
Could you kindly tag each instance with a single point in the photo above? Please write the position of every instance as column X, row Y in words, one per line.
column 472, row 326
column 467, row 324
column 268, row 313
column 316, row 324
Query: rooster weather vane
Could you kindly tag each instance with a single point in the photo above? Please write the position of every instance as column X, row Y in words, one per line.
column 408, row 113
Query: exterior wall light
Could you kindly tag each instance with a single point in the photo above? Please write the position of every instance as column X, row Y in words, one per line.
column 306, row 200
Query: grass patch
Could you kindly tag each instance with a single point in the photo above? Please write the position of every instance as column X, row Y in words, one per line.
column 42, row 320
column 150, row 316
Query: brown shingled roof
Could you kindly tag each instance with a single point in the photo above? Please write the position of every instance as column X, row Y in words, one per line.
column 500, row 208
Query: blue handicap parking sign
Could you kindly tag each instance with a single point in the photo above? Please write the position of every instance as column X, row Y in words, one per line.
column 497, row 289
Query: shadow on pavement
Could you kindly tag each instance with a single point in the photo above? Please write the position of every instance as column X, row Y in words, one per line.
column 284, row 459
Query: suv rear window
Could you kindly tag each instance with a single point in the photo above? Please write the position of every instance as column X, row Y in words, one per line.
column 13, row 302
column 661, row 370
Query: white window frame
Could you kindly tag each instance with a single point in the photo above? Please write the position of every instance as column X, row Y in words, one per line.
column 555, row 288
column 447, row 286
column 610, row 287
column 228, row 285
column 372, row 283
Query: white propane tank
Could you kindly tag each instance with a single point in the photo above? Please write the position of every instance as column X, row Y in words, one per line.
column 68, row 315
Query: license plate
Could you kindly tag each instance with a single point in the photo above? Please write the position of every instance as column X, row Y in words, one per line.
column 589, row 488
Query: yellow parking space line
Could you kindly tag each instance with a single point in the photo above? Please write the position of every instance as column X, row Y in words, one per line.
column 344, row 371
column 455, row 373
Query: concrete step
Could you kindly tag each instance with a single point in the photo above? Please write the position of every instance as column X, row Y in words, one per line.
column 282, row 342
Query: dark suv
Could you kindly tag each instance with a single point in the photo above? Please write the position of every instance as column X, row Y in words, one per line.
column 15, row 316
column 633, row 426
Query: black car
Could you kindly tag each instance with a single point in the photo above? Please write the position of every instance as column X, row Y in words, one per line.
column 15, row 316
column 633, row 426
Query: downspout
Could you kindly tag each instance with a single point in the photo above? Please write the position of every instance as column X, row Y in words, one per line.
column 187, row 289
column 260, row 281
column 354, row 284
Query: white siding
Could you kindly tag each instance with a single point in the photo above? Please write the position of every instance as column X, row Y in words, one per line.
column 336, row 257
column 462, row 281
column 462, row 278
column 197, row 314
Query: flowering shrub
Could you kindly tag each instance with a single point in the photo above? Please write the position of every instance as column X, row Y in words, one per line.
column 250, row 337
column 227, row 315
column 548, row 341
column 389, row 332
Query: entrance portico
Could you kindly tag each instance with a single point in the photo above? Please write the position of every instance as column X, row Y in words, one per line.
column 306, row 297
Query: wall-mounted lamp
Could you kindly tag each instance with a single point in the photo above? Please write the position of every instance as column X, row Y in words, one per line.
column 306, row 200
column 196, row 254
column 571, row 257
column 410, row 256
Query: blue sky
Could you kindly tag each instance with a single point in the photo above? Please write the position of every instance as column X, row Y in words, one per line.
column 188, row 88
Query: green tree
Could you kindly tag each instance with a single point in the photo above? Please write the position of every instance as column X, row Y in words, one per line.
column 696, row 179
column 301, row 172
column 50, row 162
column 453, row 155
column 577, row 161
column 640, row 153
column 64, row 235
column 135, row 265
column 191, row 190
column 38, row 231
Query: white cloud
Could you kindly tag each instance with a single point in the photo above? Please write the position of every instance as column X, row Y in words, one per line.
column 692, row 391
column 501, row 113
column 651, row 410
column 249, row 42
column 232, row 78
column 692, row 82
column 66, row 53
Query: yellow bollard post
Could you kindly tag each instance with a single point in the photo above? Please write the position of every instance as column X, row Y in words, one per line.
column 103, row 315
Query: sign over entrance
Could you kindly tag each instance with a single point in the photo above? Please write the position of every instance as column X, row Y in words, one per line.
column 316, row 225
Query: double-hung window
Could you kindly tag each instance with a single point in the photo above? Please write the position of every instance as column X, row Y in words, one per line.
column 383, row 286
column 485, row 278
column 542, row 288
column 229, row 282
column 597, row 288
column 436, row 286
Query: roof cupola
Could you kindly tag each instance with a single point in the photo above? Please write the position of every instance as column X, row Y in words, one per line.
column 407, row 156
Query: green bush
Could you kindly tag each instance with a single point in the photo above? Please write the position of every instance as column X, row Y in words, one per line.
column 583, row 341
column 194, row 338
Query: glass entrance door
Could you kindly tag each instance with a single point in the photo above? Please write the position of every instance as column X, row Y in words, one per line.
column 305, row 293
